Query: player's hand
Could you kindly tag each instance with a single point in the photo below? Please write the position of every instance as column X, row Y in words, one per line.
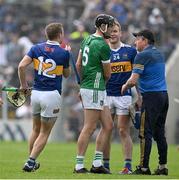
column 26, row 90
column 79, row 96
column 124, row 88
column 138, row 103
column 78, row 66
column 68, row 47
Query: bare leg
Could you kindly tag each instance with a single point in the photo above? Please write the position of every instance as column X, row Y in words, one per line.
column 102, row 141
column 107, row 149
column 35, row 132
column 124, row 132
column 41, row 140
column 104, row 137
column 91, row 118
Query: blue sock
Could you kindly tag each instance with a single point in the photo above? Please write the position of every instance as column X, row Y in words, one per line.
column 106, row 163
column 128, row 163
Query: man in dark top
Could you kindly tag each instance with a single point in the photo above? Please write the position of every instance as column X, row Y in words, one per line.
column 149, row 72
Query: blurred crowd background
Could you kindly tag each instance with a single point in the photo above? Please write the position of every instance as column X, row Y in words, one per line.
column 22, row 24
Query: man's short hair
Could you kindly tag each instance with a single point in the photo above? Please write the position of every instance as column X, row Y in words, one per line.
column 116, row 22
column 146, row 34
column 52, row 30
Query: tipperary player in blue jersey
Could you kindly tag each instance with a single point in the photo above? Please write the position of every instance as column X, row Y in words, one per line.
column 50, row 63
column 149, row 71
column 122, row 57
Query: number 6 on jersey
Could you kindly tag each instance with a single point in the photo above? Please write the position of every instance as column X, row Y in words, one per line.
column 85, row 55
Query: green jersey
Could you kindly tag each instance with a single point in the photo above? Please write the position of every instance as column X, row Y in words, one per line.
column 95, row 52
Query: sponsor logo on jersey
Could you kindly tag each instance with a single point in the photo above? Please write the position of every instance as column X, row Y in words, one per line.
column 118, row 67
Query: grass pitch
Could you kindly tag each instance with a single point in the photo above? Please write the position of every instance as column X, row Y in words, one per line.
column 58, row 161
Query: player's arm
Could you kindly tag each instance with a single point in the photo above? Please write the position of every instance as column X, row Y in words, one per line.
column 138, row 69
column 79, row 62
column 132, row 81
column 21, row 71
column 105, row 56
column 107, row 71
column 66, row 66
column 66, row 72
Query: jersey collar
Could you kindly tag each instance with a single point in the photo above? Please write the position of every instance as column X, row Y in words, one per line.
column 121, row 45
column 97, row 35
column 53, row 42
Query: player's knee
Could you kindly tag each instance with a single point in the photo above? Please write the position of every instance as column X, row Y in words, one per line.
column 89, row 129
column 108, row 127
column 123, row 132
column 36, row 130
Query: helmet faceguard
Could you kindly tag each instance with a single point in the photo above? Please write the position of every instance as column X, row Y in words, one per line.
column 106, row 20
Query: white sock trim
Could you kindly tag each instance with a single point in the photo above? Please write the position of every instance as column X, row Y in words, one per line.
column 98, row 152
column 78, row 156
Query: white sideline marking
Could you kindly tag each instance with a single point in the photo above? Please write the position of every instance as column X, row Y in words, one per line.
column 172, row 59
column 176, row 100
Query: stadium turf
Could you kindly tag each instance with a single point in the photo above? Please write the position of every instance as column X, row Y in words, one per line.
column 58, row 160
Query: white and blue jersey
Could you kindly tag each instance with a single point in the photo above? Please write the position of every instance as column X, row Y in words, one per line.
column 121, row 67
column 49, row 60
column 150, row 64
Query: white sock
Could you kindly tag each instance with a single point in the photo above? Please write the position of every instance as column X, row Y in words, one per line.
column 97, row 161
column 79, row 162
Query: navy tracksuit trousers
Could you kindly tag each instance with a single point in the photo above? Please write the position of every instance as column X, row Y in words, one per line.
column 153, row 118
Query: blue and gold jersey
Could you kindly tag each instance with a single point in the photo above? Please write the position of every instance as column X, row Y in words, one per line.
column 150, row 64
column 49, row 60
column 121, row 68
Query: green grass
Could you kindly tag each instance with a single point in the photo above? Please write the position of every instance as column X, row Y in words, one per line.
column 58, row 160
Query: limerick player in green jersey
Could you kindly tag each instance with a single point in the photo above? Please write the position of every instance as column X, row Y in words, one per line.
column 94, row 66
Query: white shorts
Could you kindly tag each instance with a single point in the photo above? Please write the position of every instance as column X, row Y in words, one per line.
column 93, row 99
column 119, row 104
column 46, row 103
